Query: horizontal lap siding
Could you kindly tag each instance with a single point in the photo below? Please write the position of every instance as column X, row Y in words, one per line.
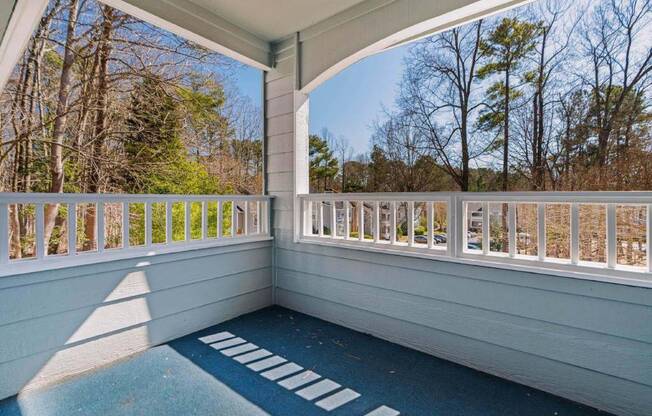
column 53, row 328
column 596, row 336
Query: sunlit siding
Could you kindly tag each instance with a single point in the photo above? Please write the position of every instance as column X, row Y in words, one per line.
column 57, row 323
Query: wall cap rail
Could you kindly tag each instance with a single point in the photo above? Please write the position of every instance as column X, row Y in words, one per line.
column 590, row 235
column 36, row 232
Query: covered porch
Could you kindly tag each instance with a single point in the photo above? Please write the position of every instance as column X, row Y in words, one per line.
column 364, row 321
column 278, row 361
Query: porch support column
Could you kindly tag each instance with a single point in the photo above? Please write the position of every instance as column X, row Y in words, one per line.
column 286, row 142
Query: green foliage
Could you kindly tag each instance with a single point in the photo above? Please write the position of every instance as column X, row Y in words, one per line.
column 419, row 230
column 157, row 160
column 323, row 166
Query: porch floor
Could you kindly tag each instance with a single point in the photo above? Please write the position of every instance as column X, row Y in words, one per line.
column 345, row 371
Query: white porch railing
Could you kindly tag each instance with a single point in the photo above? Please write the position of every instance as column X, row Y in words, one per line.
column 42, row 229
column 591, row 232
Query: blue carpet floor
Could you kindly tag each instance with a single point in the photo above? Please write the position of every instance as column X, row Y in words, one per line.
column 340, row 372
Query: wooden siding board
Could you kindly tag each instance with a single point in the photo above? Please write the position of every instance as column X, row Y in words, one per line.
column 51, row 366
column 282, row 143
column 581, row 287
column 53, row 331
column 575, row 347
column 592, row 388
column 280, row 125
column 582, row 312
column 47, row 298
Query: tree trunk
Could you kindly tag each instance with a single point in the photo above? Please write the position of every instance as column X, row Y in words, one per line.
column 99, row 133
column 56, row 148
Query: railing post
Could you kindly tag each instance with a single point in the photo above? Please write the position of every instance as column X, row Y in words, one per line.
column 410, row 224
column 430, row 223
column 72, row 229
column 259, row 227
column 485, row 228
column 40, row 230
column 575, row 233
column 611, row 236
column 376, row 227
column 125, row 224
column 4, row 233
column 511, row 215
column 168, row 222
column 541, row 231
column 99, row 214
column 149, row 229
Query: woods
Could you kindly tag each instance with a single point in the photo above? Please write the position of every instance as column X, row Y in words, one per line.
column 550, row 96
column 104, row 103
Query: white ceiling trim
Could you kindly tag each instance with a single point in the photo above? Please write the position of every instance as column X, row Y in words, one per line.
column 22, row 23
column 198, row 25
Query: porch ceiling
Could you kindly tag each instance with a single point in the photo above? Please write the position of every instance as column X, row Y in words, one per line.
column 273, row 20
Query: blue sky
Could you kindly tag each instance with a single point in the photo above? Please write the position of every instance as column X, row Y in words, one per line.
column 352, row 100
column 348, row 103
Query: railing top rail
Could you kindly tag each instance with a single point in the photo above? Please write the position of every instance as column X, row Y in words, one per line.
column 643, row 197
column 20, row 197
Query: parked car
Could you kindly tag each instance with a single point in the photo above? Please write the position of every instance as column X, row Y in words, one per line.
column 421, row 239
column 439, row 239
column 474, row 246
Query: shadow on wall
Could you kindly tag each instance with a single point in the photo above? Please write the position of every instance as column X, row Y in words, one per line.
column 58, row 323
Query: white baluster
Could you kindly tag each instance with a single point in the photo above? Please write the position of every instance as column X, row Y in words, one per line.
column 541, row 231
column 575, row 233
column 99, row 214
column 611, row 236
column 72, row 229
column 40, row 231
column 4, row 233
